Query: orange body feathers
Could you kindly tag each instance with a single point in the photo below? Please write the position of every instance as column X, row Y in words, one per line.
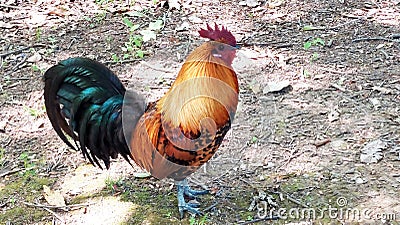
column 183, row 129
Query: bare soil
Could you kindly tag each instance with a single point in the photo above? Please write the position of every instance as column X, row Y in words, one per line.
column 289, row 151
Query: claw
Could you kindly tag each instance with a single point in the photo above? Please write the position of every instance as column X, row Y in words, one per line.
column 194, row 204
column 194, row 193
column 184, row 190
column 187, row 207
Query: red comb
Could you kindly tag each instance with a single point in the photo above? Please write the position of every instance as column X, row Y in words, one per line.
column 220, row 35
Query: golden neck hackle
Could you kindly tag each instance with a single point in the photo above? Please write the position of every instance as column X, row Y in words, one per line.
column 206, row 87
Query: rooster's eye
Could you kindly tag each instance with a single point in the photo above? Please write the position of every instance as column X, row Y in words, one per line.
column 221, row 47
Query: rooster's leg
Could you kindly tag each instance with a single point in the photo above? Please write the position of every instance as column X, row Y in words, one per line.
column 184, row 190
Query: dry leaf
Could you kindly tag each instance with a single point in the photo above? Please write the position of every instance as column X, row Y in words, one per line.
column 372, row 152
column 34, row 58
column 275, row 3
column 34, row 126
column 174, row 4
column 334, row 114
column 195, row 19
column 256, row 88
column 249, row 3
column 339, row 144
column 37, row 19
column 142, row 175
column 183, row 26
column 382, row 89
column 53, row 197
column 375, row 102
column 276, row 86
column 380, row 46
column 253, row 54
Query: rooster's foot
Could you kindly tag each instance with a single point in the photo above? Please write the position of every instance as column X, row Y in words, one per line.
column 184, row 190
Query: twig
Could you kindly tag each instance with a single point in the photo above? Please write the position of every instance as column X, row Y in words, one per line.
column 199, row 183
column 260, row 220
column 394, row 36
column 5, row 203
column 338, row 87
column 155, row 68
column 287, row 45
column 245, row 181
column 10, row 172
column 385, row 54
column 321, row 142
column 71, row 43
column 122, row 61
column 19, row 65
column 356, row 17
column 57, row 161
column 20, row 50
column 54, row 214
column 334, row 27
column 158, row 87
column 290, row 198
column 19, row 78
column 295, row 115
column 13, row 85
column 246, row 44
column 210, row 207
column 335, row 71
column 65, row 208
column 296, row 201
column 374, row 39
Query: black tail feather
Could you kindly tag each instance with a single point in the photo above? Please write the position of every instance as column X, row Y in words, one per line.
column 92, row 98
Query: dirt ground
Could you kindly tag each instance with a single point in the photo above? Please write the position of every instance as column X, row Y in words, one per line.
column 315, row 140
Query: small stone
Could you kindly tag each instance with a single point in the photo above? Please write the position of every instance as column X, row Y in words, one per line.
column 184, row 26
column 195, row 19
column 34, row 58
column 360, row 180
column 276, row 86
column 339, row 144
column 256, row 88
column 269, row 165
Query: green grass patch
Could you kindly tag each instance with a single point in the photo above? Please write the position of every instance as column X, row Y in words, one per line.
column 304, row 197
column 24, row 187
column 156, row 206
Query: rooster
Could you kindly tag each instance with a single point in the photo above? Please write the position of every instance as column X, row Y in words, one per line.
column 171, row 137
